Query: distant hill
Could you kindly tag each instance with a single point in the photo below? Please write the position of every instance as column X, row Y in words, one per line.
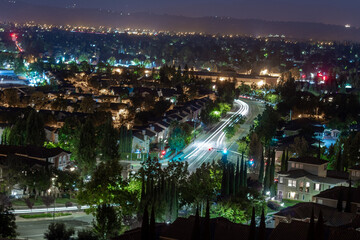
column 22, row 12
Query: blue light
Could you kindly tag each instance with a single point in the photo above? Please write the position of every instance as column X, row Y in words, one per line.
column 225, row 151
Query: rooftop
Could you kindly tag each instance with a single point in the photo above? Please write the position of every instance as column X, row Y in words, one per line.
column 309, row 160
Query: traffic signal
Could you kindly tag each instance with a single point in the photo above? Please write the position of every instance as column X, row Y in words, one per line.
column 251, row 162
column 210, row 148
column 163, row 152
column 225, row 151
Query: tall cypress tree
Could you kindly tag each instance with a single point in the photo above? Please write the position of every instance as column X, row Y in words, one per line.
column 262, row 227
column 348, row 199
column 311, row 229
column 86, row 147
column 340, row 201
column 262, row 166
column 231, row 180
column 35, row 133
column 152, row 230
column 196, row 228
column 206, row 233
column 267, row 176
column 283, row 160
column 224, row 181
column 145, row 225
column 319, row 231
column 252, row 229
column 245, row 175
column 109, row 142
column 272, row 168
column 339, row 165
column 242, row 171
column 237, row 177
column 287, row 160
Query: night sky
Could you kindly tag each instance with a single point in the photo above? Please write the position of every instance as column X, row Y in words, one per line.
column 326, row 11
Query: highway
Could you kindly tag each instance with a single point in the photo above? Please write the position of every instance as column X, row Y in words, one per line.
column 198, row 152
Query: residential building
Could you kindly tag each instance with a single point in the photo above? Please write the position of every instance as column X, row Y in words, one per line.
column 330, row 197
column 302, row 212
column 306, row 177
column 354, row 173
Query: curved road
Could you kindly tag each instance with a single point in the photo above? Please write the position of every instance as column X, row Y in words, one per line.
column 198, row 152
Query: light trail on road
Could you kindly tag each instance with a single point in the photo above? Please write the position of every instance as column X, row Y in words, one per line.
column 216, row 139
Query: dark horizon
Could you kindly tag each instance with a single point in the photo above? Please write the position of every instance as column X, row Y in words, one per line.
column 321, row 11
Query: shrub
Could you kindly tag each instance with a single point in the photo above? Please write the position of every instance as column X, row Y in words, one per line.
column 273, row 205
column 58, row 231
column 48, row 200
column 29, row 203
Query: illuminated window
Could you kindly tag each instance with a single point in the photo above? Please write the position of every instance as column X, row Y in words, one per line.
column 292, row 183
column 293, row 165
column 317, row 186
column 281, row 179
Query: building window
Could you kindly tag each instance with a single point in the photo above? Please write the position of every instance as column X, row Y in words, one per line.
column 317, row 186
column 301, row 186
column 301, row 166
column 303, row 197
column 358, row 174
column 281, row 179
column 297, row 166
column 292, row 183
column 307, row 187
column 293, row 165
column 319, row 201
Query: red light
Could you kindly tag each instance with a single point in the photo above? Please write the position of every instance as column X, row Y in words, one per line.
column 320, row 75
column 163, row 152
column 324, row 78
column 210, row 148
column 303, row 76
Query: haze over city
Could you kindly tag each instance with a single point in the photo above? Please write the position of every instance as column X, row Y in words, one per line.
column 182, row 120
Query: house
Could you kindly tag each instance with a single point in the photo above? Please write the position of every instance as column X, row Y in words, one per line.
column 302, row 212
column 331, row 196
column 354, row 173
column 57, row 156
column 305, row 177
column 142, row 140
column 51, row 134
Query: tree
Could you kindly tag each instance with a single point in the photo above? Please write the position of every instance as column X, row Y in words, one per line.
column 109, row 142
column 86, row 234
column 48, row 200
column 152, row 227
column 319, row 231
column 339, row 205
column 300, row 147
column 196, row 228
column 107, row 222
column 311, row 229
column 339, row 161
column 11, row 97
column 87, row 105
column 267, row 181
column 252, row 228
column 283, row 162
column 58, row 231
column 262, row 227
column 7, row 218
column 29, row 203
column 206, row 234
column 262, row 166
column 86, row 148
column 17, row 133
column 35, row 133
column 145, row 225
column 348, row 199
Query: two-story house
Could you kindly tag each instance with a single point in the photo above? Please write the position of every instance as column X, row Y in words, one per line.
column 306, row 177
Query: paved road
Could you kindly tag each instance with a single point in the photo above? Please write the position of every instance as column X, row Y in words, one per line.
column 198, row 152
column 34, row 229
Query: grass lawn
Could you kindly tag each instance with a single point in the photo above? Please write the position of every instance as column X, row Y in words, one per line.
column 289, row 202
column 44, row 215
